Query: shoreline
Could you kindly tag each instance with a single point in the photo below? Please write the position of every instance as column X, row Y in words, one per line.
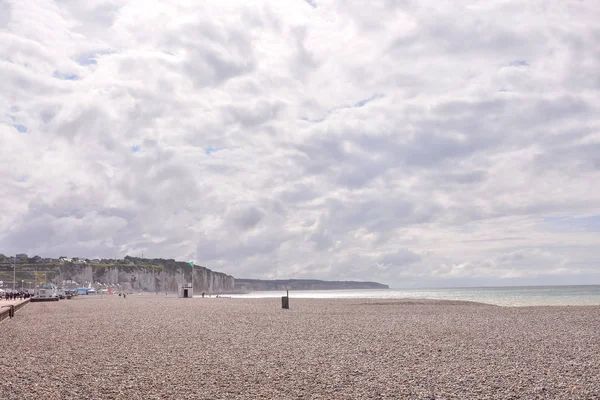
column 406, row 300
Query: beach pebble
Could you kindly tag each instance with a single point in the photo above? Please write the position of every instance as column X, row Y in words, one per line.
column 154, row 347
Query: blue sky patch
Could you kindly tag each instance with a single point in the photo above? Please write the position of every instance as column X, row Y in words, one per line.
column 67, row 77
column 135, row 149
column 87, row 60
column 91, row 58
column 20, row 128
column 358, row 104
column 362, row 103
column 209, row 150
column 571, row 224
column 519, row 63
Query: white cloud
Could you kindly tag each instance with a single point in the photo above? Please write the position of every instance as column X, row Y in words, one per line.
column 407, row 142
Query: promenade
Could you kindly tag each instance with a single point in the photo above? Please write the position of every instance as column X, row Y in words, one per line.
column 7, row 302
column 5, row 310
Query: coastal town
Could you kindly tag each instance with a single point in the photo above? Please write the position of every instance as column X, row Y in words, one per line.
column 22, row 274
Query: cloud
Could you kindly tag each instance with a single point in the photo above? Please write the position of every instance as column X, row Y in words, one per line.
column 245, row 216
column 414, row 144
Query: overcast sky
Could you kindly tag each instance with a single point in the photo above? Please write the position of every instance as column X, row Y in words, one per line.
column 414, row 143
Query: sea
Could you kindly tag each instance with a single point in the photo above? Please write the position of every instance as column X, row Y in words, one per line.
column 513, row 296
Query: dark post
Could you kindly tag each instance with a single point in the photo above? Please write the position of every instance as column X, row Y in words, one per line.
column 285, row 300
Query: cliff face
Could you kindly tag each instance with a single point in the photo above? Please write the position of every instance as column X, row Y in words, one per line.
column 302, row 284
column 151, row 280
column 153, row 275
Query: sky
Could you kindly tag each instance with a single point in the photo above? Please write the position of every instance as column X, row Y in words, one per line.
column 413, row 143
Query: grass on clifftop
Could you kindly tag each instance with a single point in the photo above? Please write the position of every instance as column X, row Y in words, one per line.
column 146, row 266
column 28, row 266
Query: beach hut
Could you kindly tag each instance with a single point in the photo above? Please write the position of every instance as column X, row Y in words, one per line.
column 185, row 290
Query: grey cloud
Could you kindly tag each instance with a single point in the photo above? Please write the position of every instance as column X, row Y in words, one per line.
column 580, row 157
column 300, row 192
column 462, row 178
column 92, row 18
column 35, row 233
column 379, row 214
column 436, row 139
column 322, row 239
column 87, row 121
column 20, row 82
column 361, row 172
column 215, row 53
column 255, row 114
column 5, row 15
column 304, row 62
column 245, row 216
column 400, row 258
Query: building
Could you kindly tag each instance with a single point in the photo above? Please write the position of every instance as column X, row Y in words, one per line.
column 185, row 290
column 83, row 291
column 48, row 291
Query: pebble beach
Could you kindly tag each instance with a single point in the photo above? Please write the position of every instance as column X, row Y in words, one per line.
column 157, row 347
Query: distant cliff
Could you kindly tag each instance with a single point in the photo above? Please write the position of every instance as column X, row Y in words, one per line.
column 130, row 273
column 302, row 284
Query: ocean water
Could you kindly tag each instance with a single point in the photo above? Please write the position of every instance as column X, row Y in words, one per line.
column 503, row 296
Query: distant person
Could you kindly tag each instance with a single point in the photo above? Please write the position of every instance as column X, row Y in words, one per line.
column 202, row 294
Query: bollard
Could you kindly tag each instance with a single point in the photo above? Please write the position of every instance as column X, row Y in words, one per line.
column 285, row 300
